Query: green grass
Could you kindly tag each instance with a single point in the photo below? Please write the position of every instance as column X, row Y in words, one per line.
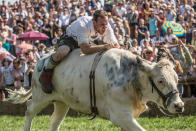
column 41, row 123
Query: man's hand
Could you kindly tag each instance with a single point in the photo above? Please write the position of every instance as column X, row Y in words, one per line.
column 108, row 46
column 116, row 45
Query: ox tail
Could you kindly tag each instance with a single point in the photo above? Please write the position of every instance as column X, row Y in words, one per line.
column 18, row 96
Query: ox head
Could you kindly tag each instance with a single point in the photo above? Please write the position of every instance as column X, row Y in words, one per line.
column 162, row 83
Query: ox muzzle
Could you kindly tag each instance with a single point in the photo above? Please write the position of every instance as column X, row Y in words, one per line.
column 167, row 99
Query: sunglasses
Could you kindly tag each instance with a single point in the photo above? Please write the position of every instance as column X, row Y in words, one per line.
column 149, row 53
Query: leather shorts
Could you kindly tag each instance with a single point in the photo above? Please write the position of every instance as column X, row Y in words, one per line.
column 69, row 41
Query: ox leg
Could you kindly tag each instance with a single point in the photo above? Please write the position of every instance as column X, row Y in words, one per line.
column 60, row 111
column 33, row 107
column 122, row 116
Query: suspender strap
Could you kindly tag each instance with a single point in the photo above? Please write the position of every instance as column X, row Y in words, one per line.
column 94, row 110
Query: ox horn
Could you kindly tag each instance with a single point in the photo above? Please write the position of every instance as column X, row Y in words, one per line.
column 144, row 65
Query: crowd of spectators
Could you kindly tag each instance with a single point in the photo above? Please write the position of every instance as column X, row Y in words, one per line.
column 136, row 24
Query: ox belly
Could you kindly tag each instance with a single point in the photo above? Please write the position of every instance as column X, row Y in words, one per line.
column 71, row 81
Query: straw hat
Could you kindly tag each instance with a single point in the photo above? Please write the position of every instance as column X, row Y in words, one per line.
column 148, row 49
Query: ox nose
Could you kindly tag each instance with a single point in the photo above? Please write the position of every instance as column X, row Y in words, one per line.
column 179, row 107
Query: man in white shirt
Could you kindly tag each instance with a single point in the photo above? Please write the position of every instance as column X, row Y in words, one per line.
column 79, row 35
column 64, row 18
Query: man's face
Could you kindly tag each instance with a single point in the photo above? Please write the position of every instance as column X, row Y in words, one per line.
column 101, row 25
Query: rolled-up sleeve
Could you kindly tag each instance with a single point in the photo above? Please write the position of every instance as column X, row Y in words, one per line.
column 82, row 36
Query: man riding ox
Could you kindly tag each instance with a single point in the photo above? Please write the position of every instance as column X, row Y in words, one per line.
column 124, row 82
column 79, row 34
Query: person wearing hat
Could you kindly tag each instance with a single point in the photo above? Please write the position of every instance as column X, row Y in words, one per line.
column 149, row 54
column 79, row 35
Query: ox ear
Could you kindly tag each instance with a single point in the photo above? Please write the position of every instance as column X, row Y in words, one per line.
column 144, row 65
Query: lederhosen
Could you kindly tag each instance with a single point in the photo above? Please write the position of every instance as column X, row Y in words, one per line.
column 69, row 41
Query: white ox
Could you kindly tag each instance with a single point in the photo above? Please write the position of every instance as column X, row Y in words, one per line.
column 122, row 88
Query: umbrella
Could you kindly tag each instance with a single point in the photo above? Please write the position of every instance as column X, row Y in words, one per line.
column 32, row 35
column 25, row 46
column 5, row 54
column 176, row 28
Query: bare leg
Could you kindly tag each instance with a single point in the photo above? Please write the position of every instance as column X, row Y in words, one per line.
column 60, row 111
column 47, row 73
column 61, row 52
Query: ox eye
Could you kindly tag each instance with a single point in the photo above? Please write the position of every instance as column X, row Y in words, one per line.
column 160, row 81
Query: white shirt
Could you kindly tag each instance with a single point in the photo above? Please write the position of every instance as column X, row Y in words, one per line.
column 82, row 30
column 121, row 10
column 142, row 41
column 23, row 13
column 157, row 40
column 182, row 8
column 170, row 16
column 64, row 20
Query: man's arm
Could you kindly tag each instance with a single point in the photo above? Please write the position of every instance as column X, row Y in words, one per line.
column 90, row 49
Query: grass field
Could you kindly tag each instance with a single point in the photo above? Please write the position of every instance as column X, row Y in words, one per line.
column 41, row 123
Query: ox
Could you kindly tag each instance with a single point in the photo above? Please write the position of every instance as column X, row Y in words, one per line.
column 124, row 84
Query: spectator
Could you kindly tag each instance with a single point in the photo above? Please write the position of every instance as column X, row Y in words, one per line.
column 135, row 49
column 169, row 36
column 185, row 56
column 64, row 18
column 17, row 74
column 170, row 14
column 141, row 30
column 132, row 18
column 157, row 38
column 6, row 71
column 152, row 24
column 11, row 38
column 147, row 12
column 28, row 74
column 160, row 19
column 149, row 54
column 3, row 35
column 41, row 50
column 126, row 27
column 57, row 36
column 147, row 38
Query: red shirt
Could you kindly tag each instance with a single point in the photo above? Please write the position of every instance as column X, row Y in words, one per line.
column 159, row 24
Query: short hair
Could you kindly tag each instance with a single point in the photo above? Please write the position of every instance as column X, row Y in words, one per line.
column 99, row 13
column 6, row 60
